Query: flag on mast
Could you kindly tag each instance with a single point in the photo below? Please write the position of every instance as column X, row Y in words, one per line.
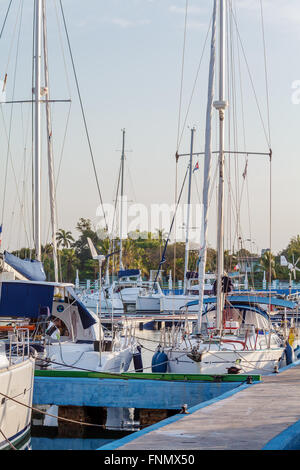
column 196, row 167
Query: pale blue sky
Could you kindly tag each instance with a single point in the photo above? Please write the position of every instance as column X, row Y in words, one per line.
column 128, row 59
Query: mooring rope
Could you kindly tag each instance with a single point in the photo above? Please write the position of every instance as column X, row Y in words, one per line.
column 82, row 423
column 68, row 420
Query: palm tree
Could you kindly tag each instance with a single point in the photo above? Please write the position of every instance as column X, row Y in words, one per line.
column 69, row 264
column 64, row 238
column 161, row 236
column 293, row 247
column 84, row 225
column 267, row 262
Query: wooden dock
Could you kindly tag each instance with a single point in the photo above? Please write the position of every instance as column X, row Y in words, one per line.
column 243, row 420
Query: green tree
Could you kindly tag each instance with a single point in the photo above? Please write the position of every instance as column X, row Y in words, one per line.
column 64, row 238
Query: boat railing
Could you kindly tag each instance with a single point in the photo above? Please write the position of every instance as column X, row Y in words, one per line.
column 19, row 344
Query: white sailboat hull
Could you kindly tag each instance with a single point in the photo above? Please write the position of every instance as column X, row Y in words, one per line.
column 73, row 356
column 148, row 304
column 217, row 362
column 16, row 381
column 129, row 295
column 107, row 305
column 174, row 303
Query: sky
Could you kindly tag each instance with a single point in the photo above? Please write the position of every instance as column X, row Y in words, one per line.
column 128, row 59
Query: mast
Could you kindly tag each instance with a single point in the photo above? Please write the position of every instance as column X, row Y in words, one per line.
column 220, row 106
column 122, row 195
column 50, row 147
column 186, row 260
column 207, row 167
column 37, row 91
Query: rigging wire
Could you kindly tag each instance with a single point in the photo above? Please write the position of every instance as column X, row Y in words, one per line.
column 179, row 137
column 7, row 155
column 178, row 124
column 250, row 78
column 182, row 73
column 82, row 111
column 266, row 72
column 195, row 82
column 62, row 48
column 8, row 135
column 245, row 184
column 5, row 19
column 171, row 227
column 270, row 161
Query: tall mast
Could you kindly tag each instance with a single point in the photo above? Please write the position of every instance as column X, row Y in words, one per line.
column 50, row 147
column 207, row 167
column 37, row 91
column 122, row 195
column 221, row 106
column 186, row 260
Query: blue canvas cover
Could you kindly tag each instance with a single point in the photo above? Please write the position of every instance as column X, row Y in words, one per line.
column 24, row 299
column 129, row 272
column 33, row 270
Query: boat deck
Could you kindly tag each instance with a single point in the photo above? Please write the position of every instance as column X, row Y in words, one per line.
column 245, row 420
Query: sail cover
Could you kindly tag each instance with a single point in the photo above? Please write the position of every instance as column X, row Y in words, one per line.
column 24, row 299
column 33, row 270
column 129, row 272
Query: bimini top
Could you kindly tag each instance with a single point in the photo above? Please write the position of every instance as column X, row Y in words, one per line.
column 244, row 307
column 33, row 270
column 248, row 300
column 129, row 272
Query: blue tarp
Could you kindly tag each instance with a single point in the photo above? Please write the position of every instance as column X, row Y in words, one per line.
column 24, row 299
column 249, row 299
column 86, row 317
column 129, row 272
column 33, row 270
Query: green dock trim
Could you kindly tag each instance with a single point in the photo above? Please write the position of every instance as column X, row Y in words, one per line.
column 149, row 376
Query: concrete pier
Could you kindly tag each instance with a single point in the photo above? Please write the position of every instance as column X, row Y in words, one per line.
column 249, row 418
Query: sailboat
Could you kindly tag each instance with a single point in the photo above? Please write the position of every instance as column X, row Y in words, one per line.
column 17, row 365
column 129, row 284
column 233, row 333
column 102, row 298
column 174, row 303
column 65, row 333
column 16, row 381
column 158, row 301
